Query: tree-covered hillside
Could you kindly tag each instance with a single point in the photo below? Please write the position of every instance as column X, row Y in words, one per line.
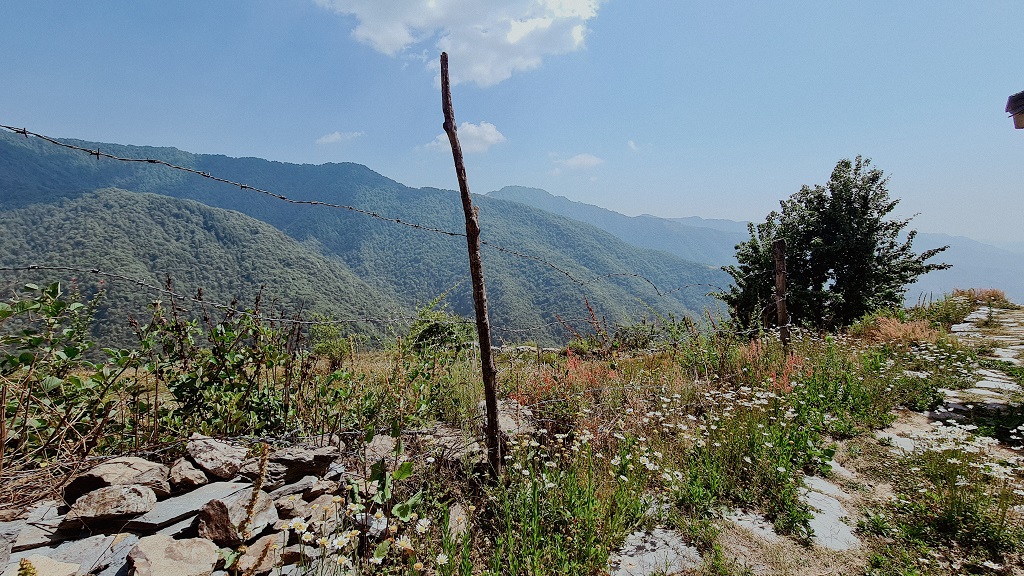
column 147, row 237
column 399, row 263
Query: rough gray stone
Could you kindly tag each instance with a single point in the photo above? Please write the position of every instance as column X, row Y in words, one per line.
column 513, row 418
column 111, row 502
column 220, row 520
column 302, row 485
column 753, row 523
column 217, row 458
column 117, row 559
column 292, row 506
column 291, row 464
column 124, row 471
column 335, row 471
column 184, row 476
column 381, row 447
column 829, row 515
column 45, row 567
column 89, row 553
column 40, row 528
column 899, row 442
column 172, row 510
column 320, row 488
column 660, row 551
column 262, row 555
column 159, row 555
column 8, row 534
column 452, row 444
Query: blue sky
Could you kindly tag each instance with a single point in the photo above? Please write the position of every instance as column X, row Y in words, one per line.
column 715, row 109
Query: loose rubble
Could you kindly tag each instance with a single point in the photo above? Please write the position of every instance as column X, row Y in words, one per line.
column 130, row 515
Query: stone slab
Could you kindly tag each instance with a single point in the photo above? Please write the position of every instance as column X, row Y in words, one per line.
column 295, row 488
column 1000, row 384
column 903, row 444
column 839, row 470
column 88, row 553
column 657, row 552
column 117, row 560
column 828, row 522
column 753, row 523
column 177, row 508
column 44, row 567
column 819, row 484
column 40, row 528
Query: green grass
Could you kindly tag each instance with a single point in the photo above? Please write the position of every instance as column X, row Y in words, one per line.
column 623, row 442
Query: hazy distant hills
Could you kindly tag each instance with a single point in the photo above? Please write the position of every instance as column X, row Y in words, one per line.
column 712, row 241
column 569, row 264
column 688, row 238
column 975, row 265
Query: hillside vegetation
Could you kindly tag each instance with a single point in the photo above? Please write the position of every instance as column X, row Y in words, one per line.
column 570, row 264
column 148, row 237
column 681, row 437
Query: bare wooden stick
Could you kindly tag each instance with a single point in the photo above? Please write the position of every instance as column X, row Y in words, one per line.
column 476, row 270
column 779, row 252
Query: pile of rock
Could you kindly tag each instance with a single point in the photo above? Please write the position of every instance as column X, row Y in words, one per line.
column 130, row 515
column 222, row 506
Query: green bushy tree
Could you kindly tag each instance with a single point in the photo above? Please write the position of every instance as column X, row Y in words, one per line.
column 844, row 255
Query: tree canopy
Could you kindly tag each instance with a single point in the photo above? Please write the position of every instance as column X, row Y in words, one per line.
column 844, row 255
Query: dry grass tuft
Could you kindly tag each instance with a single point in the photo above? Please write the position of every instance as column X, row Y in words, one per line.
column 885, row 329
column 986, row 296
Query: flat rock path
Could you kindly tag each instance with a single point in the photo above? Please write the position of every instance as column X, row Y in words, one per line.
column 841, row 499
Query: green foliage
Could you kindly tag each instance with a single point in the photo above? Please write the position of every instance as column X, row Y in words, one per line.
column 144, row 236
column 231, row 376
column 945, row 312
column 551, row 519
column 330, row 342
column 57, row 405
column 439, row 332
column 844, row 256
column 960, row 501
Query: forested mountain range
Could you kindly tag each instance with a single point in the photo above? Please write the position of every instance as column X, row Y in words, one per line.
column 680, row 238
column 149, row 237
column 51, row 195
column 974, row 264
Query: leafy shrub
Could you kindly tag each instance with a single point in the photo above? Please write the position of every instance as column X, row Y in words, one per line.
column 230, row 376
column 56, row 403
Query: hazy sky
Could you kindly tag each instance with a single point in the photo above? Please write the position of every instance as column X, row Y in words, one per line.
column 673, row 108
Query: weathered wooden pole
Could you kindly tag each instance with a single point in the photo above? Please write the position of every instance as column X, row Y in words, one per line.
column 476, row 271
column 779, row 252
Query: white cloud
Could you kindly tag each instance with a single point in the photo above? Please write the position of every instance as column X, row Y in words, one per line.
column 632, row 146
column 335, row 137
column 473, row 138
column 486, row 41
column 580, row 161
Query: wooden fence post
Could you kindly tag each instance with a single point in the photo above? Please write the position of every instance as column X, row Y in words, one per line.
column 483, row 326
column 779, row 252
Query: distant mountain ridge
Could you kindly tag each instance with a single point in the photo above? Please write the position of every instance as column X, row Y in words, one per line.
column 975, row 264
column 148, row 237
column 703, row 242
column 570, row 264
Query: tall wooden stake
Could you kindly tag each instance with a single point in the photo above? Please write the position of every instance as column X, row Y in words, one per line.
column 779, row 252
column 476, row 270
